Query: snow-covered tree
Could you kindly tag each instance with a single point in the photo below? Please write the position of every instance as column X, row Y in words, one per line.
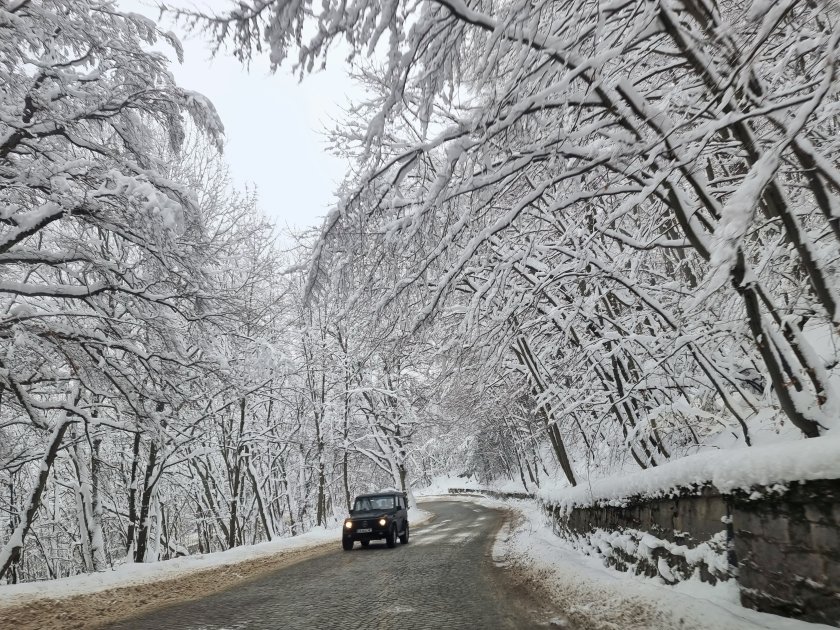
column 101, row 259
column 635, row 202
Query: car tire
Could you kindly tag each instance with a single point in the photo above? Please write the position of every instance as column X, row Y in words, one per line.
column 347, row 544
column 404, row 536
column 391, row 538
column 365, row 543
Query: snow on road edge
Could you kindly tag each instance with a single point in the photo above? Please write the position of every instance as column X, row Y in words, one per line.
column 596, row 597
column 133, row 574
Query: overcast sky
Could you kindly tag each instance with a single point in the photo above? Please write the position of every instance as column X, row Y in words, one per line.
column 272, row 123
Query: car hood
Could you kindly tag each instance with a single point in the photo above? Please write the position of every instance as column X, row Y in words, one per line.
column 369, row 514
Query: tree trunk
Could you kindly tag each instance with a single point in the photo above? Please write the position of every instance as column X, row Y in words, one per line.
column 265, row 516
column 523, row 354
column 132, row 495
column 97, row 542
column 148, row 488
column 10, row 554
column 237, row 480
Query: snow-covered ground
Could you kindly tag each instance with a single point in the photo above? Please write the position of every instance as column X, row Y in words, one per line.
column 601, row 597
column 726, row 470
column 729, row 469
column 441, row 484
column 133, row 574
column 591, row 595
column 596, row 597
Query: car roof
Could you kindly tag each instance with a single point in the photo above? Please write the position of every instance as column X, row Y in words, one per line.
column 380, row 494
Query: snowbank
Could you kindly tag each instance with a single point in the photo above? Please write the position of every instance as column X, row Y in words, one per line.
column 441, row 484
column 593, row 596
column 133, row 574
column 727, row 470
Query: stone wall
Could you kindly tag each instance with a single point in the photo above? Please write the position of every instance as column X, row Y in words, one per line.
column 671, row 538
column 787, row 546
column 782, row 544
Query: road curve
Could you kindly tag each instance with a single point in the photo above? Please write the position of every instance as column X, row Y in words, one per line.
column 444, row 578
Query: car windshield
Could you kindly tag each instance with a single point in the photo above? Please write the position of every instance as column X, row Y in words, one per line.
column 366, row 504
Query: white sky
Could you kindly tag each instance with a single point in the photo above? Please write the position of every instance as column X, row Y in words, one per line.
column 272, row 123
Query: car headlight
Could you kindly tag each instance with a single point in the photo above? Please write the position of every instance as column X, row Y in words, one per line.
column 348, row 524
column 383, row 521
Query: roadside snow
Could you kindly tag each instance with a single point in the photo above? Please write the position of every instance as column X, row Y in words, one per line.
column 134, row 574
column 595, row 597
column 727, row 470
column 441, row 484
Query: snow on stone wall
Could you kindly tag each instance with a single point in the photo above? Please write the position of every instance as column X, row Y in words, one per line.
column 672, row 539
column 781, row 542
column 768, row 517
column 726, row 471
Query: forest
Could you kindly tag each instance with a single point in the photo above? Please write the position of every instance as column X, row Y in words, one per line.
column 575, row 238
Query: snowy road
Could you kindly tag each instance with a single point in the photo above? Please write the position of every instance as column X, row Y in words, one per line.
column 444, row 578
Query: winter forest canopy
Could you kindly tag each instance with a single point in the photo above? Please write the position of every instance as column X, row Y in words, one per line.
column 575, row 237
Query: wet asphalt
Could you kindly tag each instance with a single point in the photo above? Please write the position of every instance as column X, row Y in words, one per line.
column 444, row 577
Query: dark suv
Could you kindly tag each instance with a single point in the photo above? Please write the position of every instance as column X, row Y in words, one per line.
column 376, row 517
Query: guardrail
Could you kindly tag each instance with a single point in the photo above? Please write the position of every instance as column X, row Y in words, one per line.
column 493, row 494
